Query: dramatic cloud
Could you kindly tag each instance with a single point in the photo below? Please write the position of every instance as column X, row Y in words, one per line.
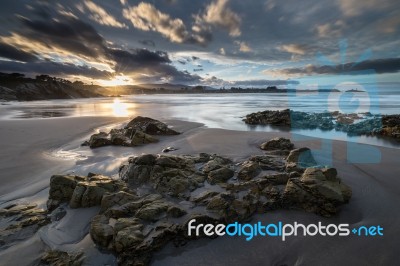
column 147, row 18
column 293, row 49
column 330, row 29
column 355, row 7
column 243, row 47
column 147, row 42
column 379, row 66
column 10, row 52
column 219, row 14
column 54, row 69
column 78, row 44
column 234, row 39
column 67, row 33
column 101, row 16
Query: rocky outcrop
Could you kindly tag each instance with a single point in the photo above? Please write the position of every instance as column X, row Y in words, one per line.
column 61, row 258
column 20, row 222
column 276, row 118
column 277, row 144
column 138, row 131
column 80, row 191
column 353, row 124
column 317, row 190
column 160, row 194
column 150, row 126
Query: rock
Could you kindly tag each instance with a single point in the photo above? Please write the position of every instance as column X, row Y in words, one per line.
column 278, row 118
column 219, row 175
column 116, row 199
column 203, row 196
column 168, row 149
column 139, row 138
column 330, row 173
column 216, row 162
column 99, row 140
column 19, row 222
column 61, row 258
column 277, row 179
column 217, row 203
column 171, row 174
column 80, row 191
column 61, row 189
column 175, row 211
column 277, row 144
column 101, row 231
column 313, row 192
column 139, row 131
column 249, row 170
column 133, row 224
column 150, row 126
column 269, row 162
column 119, row 138
column 152, row 211
column 302, row 157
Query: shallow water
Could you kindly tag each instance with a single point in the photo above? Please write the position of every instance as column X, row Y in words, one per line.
column 219, row 110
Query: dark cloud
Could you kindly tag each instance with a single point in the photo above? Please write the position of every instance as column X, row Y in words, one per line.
column 147, row 42
column 10, row 52
column 66, row 32
column 379, row 66
column 198, row 69
column 77, row 38
column 168, row 73
column 53, row 68
column 136, row 58
column 182, row 62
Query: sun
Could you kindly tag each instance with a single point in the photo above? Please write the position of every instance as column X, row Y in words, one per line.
column 117, row 81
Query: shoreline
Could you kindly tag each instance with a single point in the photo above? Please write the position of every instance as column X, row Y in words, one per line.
column 377, row 179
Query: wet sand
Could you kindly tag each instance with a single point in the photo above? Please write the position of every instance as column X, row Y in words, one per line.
column 27, row 164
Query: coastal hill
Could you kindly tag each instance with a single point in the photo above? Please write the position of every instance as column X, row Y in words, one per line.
column 18, row 87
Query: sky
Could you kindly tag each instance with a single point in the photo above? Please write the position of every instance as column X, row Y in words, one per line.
column 213, row 42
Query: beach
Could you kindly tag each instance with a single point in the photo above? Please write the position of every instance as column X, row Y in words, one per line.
column 34, row 150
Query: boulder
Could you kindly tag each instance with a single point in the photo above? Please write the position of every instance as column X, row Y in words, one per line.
column 249, row 170
column 61, row 258
column 277, row 179
column 269, row 162
column 277, row 144
column 277, row 118
column 220, row 175
column 19, row 222
column 150, row 126
column 61, row 189
column 139, row 131
column 171, row 174
column 302, row 157
column 99, row 140
column 80, row 191
column 314, row 192
column 101, row 231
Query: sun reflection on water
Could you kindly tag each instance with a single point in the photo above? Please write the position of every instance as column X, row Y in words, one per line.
column 120, row 109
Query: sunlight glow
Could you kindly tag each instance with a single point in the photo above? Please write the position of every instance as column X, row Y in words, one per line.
column 116, row 81
column 120, row 109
